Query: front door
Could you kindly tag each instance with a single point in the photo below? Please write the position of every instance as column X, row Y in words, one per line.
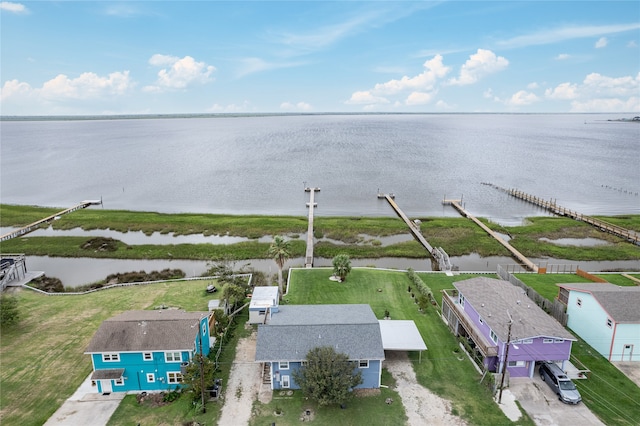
column 106, row 386
column 285, row 382
column 627, row 350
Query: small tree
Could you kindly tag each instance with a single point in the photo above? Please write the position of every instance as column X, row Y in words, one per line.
column 9, row 313
column 341, row 266
column 328, row 376
column 280, row 251
column 233, row 294
column 199, row 373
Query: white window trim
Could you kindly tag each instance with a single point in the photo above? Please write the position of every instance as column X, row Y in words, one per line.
column 609, row 322
column 177, row 377
column 516, row 364
column 558, row 340
column 579, row 302
column 118, row 382
column 480, row 320
column 547, row 340
column 365, row 362
column 147, row 356
column 527, row 341
column 111, row 357
column 493, row 336
column 151, row 378
column 285, row 382
column 283, row 365
column 171, row 356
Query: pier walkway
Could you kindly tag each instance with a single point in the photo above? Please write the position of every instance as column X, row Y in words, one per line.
column 526, row 262
column 308, row 263
column 35, row 225
column 437, row 253
column 631, row 236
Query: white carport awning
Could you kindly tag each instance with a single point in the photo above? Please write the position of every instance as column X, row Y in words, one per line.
column 401, row 335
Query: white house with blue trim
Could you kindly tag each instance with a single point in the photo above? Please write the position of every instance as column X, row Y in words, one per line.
column 147, row 350
column 606, row 316
column 264, row 303
column 284, row 342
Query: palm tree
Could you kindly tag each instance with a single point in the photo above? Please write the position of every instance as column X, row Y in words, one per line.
column 341, row 266
column 280, row 251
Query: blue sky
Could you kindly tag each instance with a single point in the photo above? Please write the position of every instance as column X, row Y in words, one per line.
column 158, row 57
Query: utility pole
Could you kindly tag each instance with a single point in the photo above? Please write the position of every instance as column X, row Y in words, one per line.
column 506, row 357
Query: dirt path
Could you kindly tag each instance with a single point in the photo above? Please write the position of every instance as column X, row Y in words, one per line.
column 420, row 404
column 243, row 386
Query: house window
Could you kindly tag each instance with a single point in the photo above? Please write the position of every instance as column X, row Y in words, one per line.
column 119, row 382
column 172, row 356
column 305, row 363
column 147, row 356
column 151, row 378
column 527, row 341
column 262, row 312
column 579, row 302
column 174, row 377
column 494, row 337
column 283, row 365
column 461, row 300
column 547, row 340
column 363, row 363
column 111, row 357
column 480, row 320
column 285, row 383
column 516, row 364
column 558, row 340
column 609, row 322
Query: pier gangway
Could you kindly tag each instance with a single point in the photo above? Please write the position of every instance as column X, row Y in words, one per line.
column 308, row 263
column 35, row 225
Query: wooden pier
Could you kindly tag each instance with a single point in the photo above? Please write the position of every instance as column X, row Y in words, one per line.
column 308, row 263
column 526, row 262
column 35, row 225
column 437, row 253
column 631, row 236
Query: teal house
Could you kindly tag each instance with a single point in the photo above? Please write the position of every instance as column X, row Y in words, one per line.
column 147, row 350
column 606, row 316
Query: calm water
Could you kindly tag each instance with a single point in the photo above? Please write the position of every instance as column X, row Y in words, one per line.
column 260, row 164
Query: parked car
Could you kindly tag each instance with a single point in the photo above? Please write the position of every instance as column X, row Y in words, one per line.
column 559, row 383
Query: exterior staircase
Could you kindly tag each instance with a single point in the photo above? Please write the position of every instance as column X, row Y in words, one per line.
column 266, row 374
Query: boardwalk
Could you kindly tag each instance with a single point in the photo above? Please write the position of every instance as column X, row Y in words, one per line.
column 437, row 253
column 35, row 225
column 631, row 236
column 526, row 262
column 308, row 263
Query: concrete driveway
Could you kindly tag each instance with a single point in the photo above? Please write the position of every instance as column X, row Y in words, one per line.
column 544, row 407
column 86, row 407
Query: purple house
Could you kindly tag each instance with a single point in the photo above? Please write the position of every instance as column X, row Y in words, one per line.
column 492, row 314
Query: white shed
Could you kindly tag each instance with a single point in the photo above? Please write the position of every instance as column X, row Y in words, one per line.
column 264, row 302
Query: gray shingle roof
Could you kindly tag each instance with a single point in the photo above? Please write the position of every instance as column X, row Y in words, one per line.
column 295, row 330
column 493, row 298
column 135, row 331
column 621, row 303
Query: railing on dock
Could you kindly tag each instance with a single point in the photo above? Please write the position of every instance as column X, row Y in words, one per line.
column 308, row 263
column 550, row 205
column 35, row 225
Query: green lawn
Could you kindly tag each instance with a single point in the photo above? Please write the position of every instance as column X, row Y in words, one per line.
column 43, row 359
column 440, row 370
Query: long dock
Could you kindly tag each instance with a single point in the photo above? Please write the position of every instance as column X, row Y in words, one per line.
column 35, row 225
column 437, row 253
column 522, row 258
column 631, row 236
column 308, row 263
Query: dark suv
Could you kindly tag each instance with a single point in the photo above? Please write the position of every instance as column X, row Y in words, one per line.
column 560, row 383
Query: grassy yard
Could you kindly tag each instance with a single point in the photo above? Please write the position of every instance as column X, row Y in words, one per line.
column 441, row 370
column 42, row 357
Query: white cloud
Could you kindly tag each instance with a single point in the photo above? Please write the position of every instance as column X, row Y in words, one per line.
column 533, row 85
column 632, row 44
column 300, row 106
column 15, row 88
column 443, row 106
column 87, row 86
column 599, row 93
column 243, row 107
column 179, row 72
column 562, row 56
column 602, row 42
column 254, row 65
column 419, row 98
column 366, row 97
column 8, row 6
column 420, row 87
column 555, row 35
column 480, row 64
column 562, row 91
column 522, row 98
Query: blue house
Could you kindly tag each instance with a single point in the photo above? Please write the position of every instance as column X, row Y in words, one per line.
column 147, row 350
column 284, row 342
column 606, row 316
